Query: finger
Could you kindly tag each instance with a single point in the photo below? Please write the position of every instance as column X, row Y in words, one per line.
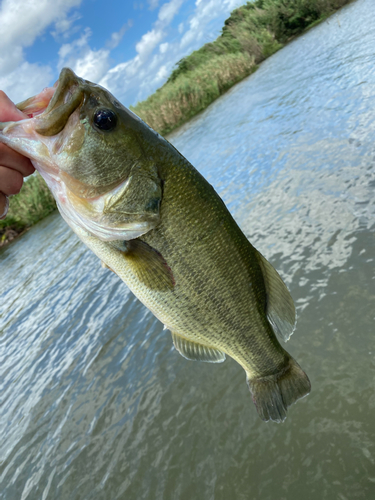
column 4, row 205
column 10, row 181
column 16, row 161
column 8, row 110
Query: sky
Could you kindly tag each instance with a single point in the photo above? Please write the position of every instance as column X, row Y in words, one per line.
column 128, row 46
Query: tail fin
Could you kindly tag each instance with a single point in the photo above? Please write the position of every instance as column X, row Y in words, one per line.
column 274, row 393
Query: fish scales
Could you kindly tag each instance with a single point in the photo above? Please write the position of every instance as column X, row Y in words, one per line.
column 216, row 284
column 151, row 217
column 222, row 261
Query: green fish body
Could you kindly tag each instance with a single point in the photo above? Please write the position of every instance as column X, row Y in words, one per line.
column 151, row 218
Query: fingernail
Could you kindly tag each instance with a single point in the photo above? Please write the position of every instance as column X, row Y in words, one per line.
column 3, row 215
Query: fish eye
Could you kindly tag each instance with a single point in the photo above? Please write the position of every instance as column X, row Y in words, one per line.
column 105, row 119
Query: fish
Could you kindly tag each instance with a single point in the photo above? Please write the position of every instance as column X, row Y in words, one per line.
column 157, row 223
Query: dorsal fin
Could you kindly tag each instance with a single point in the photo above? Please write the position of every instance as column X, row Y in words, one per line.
column 195, row 351
column 281, row 312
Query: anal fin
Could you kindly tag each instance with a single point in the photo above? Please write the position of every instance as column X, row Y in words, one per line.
column 195, row 351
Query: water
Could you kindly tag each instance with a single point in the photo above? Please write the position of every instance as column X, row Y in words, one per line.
column 95, row 402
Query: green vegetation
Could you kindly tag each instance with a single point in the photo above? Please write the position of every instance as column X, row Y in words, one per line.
column 33, row 203
column 252, row 33
column 177, row 101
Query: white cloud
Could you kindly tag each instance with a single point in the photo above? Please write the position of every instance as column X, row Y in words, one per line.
column 124, row 75
column 134, row 80
column 87, row 63
column 148, row 42
column 137, row 73
column 156, row 51
column 206, row 11
column 163, row 47
column 20, row 24
column 64, row 26
column 10, row 59
column 169, row 10
column 153, row 4
column 117, row 36
column 94, row 64
column 152, row 38
column 162, row 74
column 27, row 80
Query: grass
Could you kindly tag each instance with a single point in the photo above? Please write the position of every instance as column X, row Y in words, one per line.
column 252, row 33
column 33, row 203
column 190, row 93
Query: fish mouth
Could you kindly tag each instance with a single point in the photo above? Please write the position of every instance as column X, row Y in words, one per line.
column 52, row 107
column 49, row 113
column 54, row 123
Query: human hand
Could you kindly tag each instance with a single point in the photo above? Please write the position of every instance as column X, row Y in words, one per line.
column 13, row 166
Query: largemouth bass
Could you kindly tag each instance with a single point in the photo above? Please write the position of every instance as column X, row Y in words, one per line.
column 151, row 218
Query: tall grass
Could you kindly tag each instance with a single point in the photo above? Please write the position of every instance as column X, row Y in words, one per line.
column 175, row 103
column 252, row 33
column 33, row 203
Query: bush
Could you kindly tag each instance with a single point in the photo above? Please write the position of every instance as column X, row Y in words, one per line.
column 33, row 203
column 187, row 95
column 252, row 33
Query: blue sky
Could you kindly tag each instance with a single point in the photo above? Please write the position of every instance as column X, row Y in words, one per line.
column 130, row 47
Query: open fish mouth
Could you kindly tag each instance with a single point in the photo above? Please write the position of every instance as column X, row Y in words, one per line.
column 46, row 115
column 54, row 105
column 55, row 131
column 34, row 106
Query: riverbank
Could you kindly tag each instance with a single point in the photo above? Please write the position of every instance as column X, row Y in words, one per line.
column 252, row 33
column 33, row 203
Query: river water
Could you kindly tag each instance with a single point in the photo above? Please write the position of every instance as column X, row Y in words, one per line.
column 95, row 401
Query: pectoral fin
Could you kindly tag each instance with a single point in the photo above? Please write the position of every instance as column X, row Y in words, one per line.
column 281, row 312
column 195, row 351
column 148, row 265
column 140, row 195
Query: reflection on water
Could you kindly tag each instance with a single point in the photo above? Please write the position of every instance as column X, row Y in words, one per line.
column 95, row 402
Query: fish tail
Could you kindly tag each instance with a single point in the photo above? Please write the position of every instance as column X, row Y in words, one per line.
column 274, row 393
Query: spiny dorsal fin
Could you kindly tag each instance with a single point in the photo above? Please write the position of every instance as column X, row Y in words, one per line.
column 196, row 352
column 281, row 312
column 148, row 264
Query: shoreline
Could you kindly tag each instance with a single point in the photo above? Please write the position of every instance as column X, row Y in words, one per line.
column 249, row 36
column 33, row 203
column 10, row 234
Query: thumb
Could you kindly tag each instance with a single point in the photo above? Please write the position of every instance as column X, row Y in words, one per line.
column 8, row 110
